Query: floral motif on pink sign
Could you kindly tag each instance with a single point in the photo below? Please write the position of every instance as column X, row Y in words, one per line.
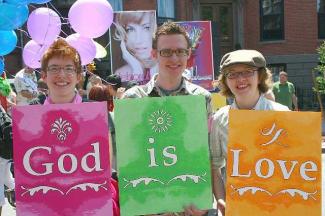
column 62, row 128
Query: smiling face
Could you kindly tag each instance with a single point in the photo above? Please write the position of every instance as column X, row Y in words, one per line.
column 173, row 66
column 61, row 78
column 139, row 37
column 243, row 81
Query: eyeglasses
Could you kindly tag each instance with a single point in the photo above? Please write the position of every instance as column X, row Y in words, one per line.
column 55, row 69
column 236, row 75
column 170, row 52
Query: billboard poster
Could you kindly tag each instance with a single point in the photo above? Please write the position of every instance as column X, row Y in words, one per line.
column 200, row 64
column 131, row 45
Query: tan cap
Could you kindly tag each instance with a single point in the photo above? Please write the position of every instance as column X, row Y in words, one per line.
column 247, row 57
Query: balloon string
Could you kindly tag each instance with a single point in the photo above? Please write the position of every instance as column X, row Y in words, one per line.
column 47, row 30
column 54, row 8
column 64, row 33
column 33, row 6
column 107, row 44
column 25, row 32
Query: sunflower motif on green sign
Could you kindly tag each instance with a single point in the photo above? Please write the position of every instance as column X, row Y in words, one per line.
column 160, row 121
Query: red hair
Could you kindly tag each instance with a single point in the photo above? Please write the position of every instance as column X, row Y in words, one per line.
column 98, row 93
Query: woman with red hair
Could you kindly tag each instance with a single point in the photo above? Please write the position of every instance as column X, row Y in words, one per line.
column 99, row 93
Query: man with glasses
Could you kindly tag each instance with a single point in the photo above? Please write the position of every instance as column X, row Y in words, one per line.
column 171, row 49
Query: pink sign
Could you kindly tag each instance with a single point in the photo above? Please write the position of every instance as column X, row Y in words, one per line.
column 62, row 160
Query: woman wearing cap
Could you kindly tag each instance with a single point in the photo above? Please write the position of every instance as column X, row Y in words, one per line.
column 245, row 78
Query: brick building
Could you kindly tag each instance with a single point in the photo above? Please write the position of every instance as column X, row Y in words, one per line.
column 287, row 32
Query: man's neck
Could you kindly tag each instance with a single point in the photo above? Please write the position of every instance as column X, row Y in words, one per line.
column 168, row 83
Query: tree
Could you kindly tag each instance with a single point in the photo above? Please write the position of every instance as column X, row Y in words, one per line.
column 319, row 80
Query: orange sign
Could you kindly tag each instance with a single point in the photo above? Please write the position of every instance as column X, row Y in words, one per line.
column 274, row 163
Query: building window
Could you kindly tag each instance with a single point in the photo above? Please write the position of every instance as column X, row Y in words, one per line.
column 166, row 10
column 321, row 18
column 276, row 69
column 272, row 20
column 117, row 5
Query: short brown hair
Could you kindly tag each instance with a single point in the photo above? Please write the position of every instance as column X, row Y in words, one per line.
column 170, row 28
column 98, row 93
column 283, row 73
column 60, row 48
column 264, row 76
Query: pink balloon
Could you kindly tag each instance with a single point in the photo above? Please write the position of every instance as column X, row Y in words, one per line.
column 85, row 47
column 44, row 25
column 32, row 54
column 91, row 18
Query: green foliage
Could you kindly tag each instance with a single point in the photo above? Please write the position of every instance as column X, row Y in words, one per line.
column 320, row 79
column 4, row 87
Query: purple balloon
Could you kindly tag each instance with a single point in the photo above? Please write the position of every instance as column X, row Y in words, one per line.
column 44, row 25
column 91, row 18
column 32, row 54
column 85, row 47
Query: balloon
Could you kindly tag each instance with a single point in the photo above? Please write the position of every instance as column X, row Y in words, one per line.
column 44, row 25
column 8, row 42
column 91, row 18
column 100, row 50
column 85, row 47
column 39, row 1
column 2, row 66
column 18, row 2
column 32, row 54
column 12, row 16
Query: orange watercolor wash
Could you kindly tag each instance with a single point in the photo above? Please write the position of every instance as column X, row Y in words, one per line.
column 274, row 163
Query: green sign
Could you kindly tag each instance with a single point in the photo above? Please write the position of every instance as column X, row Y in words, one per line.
column 162, row 154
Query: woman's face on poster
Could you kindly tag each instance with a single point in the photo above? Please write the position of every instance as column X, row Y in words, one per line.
column 139, row 38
